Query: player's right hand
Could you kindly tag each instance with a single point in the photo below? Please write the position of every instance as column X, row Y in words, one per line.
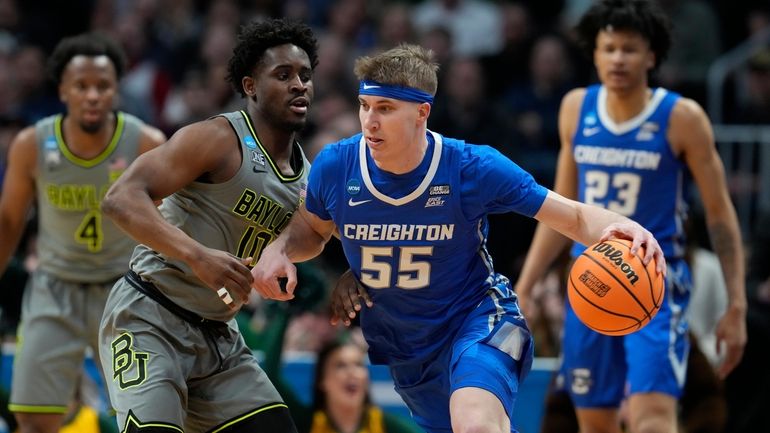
column 346, row 298
column 219, row 269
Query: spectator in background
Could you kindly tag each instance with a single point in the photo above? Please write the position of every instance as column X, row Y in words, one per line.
column 475, row 25
column 696, row 43
column 341, row 400
column 534, row 106
column 508, row 67
column 755, row 108
column 394, row 26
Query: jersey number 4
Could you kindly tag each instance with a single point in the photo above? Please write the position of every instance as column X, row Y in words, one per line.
column 90, row 231
column 626, row 185
column 376, row 269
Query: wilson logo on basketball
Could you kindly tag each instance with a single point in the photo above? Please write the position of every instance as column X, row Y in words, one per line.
column 594, row 284
column 616, row 256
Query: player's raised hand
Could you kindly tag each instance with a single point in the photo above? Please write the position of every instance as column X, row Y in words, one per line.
column 346, row 298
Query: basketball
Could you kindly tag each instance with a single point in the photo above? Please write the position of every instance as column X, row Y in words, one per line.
column 610, row 289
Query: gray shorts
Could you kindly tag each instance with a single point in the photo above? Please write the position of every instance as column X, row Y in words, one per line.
column 59, row 320
column 164, row 370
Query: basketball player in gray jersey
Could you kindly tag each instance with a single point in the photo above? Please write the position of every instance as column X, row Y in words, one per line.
column 66, row 163
column 169, row 343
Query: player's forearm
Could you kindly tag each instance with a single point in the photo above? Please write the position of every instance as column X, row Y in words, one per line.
column 137, row 215
column 726, row 241
column 9, row 240
column 299, row 241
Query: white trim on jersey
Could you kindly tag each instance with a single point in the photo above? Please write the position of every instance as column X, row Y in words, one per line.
column 630, row 124
column 414, row 194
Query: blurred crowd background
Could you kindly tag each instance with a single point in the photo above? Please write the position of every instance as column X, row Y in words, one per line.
column 504, row 67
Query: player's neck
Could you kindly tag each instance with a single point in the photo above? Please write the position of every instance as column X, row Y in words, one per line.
column 625, row 105
column 85, row 144
column 277, row 142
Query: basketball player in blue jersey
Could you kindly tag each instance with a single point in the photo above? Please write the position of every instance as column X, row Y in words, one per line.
column 627, row 147
column 410, row 206
column 66, row 163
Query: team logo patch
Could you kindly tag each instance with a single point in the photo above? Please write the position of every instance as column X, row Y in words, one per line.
column 590, row 119
column 581, row 381
column 439, row 190
column 354, row 187
column 258, row 157
column 434, row 201
column 647, row 131
column 51, row 156
column 250, row 142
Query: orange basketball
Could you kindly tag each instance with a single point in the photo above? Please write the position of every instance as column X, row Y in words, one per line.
column 611, row 290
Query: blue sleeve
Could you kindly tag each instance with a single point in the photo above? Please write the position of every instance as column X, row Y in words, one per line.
column 321, row 180
column 493, row 183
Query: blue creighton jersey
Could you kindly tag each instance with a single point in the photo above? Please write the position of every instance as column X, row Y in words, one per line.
column 629, row 167
column 417, row 241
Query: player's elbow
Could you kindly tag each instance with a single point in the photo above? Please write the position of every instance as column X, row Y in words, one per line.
column 111, row 203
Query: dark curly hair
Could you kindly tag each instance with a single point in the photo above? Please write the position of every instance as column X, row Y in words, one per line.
column 257, row 37
column 87, row 44
column 641, row 16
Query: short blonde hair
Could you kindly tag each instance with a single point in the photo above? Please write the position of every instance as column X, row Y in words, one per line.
column 406, row 65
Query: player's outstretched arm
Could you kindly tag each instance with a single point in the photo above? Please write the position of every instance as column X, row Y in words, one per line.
column 303, row 238
column 196, row 151
column 691, row 135
column 590, row 224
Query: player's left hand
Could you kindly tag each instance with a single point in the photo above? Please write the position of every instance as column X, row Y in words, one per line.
column 275, row 276
column 731, row 338
column 346, row 298
column 639, row 236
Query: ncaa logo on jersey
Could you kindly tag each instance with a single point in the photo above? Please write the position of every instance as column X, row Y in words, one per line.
column 250, row 142
column 354, row 187
column 52, row 154
column 590, row 119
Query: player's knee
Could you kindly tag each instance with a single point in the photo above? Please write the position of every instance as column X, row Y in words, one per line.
column 272, row 419
column 38, row 422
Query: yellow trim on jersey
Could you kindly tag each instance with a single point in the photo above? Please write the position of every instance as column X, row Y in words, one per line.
column 131, row 419
column 88, row 163
column 237, row 420
column 37, row 409
column 269, row 159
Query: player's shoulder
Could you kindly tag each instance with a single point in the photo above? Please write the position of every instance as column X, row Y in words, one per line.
column 686, row 109
column 573, row 99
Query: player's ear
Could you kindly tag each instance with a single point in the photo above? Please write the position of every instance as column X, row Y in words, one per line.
column 651, row 59
column 423, row 111
column 249, row 87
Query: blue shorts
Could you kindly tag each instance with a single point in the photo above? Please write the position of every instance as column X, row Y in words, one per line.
column 599, row 371
column 492, row 350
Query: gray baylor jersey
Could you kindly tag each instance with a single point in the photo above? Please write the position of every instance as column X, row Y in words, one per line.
column 75, row 242
column 240, row 216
